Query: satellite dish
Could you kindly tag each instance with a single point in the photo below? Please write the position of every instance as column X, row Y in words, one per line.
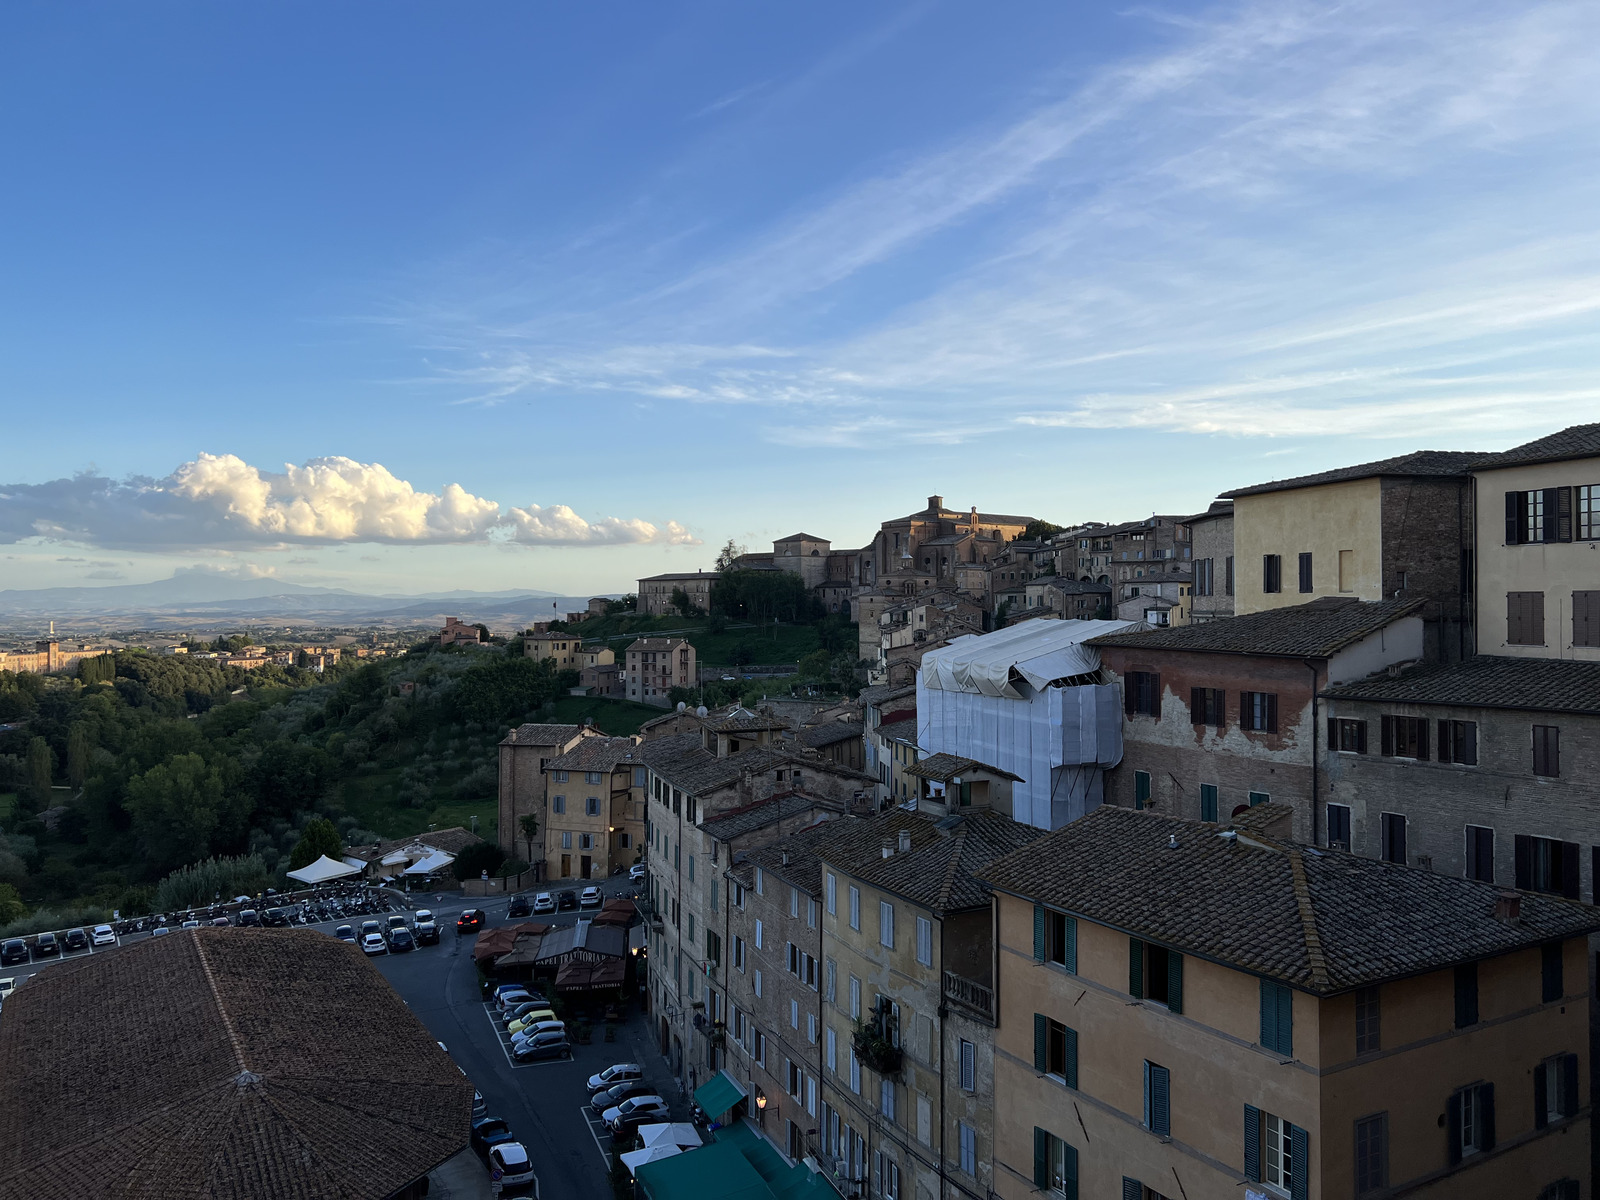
column 682, row 706
column 701, row 711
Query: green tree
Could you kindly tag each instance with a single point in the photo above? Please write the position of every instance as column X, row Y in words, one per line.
column 727, row 554
column 477, row 858
column 1038, row 531
column 11, row 906
column 529, row 824
column 320, row 837
column 79, row 746
column 182, row 810
column 41, row 763
column 681, row 602
column 742, row 654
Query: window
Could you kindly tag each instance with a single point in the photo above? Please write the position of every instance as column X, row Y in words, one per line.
column 1547, row 750
column 1466, row 995
column 736, row 893
column 566, row 841
column 832, row 979
column 1347, row 735
column 855, row 998
column 1055, row 1049
column 1470, row 1121
column 1141, row 694
column 1405, row 737
column 811, row 1028
column 1394, row 838
column 591, row 806
column 1546, row 865
column 1055, row 1164
column 855, row 908
column 969, row 1066
column 886, row 924
column 794, row 902
column 1157, row 1099
column 1141, row 789
column 760, row 935
column 969, row 1147
column 1480, row 853
column 713, row 895
column 1555, row 1089
column 1207, row 706
column 1258, row 711
column 831, row 892
column 1155, row 973
column 561, row 776
column 1586, row 605
column 714, row 947
column 1055, row 938
column 855, row 1073
column 757, row 981
column 1271, row 573
column 761, row 882
column 886, row 1098
column 1208, row 801
column 1369, row 1021
column 625, row 842
column 738, row 954
column 586, row 841
column 1339, row 826
column 1228, row 580
column 1561, row 1189
column 794, row 1014
column 1305, row 571
column 558, row 804
column 1552, row 985
column 794, row 957
column 1525, row 618
column 1544, row 515
column 888, row 1177
column 830, row 1049
column 1277, row 1018
column 1204, row 577
column 1372, row 1154
column 1458, row 742
column 1589, row 513
column 925, row 941
column 760, row 1051
column 1275, row 1152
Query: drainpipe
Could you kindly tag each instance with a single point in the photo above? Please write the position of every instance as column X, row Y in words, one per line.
column 1316, row 722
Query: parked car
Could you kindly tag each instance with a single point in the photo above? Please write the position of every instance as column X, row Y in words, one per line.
column 163, row 930
column 7, row 986
column 487, row 1132
column 427, row 928
column 547, row 1045
column 506, row 1001
column 636, row 873
column 46, row 946
column 516, row 1169
column 479, row 1105
column 613, row 1096
column 191, row 923
column 519, row 906
column 370, row 927
column 219, row 922
column 500, row 989
column 76, row 939
column 276, row 917
column 345, row 934
column 626, row 1117
column 538, row 1016
column 544, row 902
column 103, row 935
column 566, row 899
column 13, row 950
column 535, row 1004
column 535, row 1029
column 401, row 941
column 373, row 943
column 470, row 921
column 249, row 916
column 398, row 921
column 614, row 1074
column 590, row 898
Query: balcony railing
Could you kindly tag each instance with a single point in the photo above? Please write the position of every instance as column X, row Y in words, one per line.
column 969, row 993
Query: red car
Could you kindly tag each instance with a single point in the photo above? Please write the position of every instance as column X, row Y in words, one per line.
column 470, row 921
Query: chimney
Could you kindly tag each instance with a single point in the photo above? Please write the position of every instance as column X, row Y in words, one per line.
column 888, row 847
column 785, row 858
column 1507, row 906
column 905, row 841
column 935, row 503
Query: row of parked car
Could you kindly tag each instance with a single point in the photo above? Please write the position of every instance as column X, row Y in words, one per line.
column 48, row 945
column 397, row 935
column 506, row 1158
column 531, row 1024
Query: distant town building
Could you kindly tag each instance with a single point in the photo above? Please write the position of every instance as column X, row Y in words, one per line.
column 657, row 665
column 455, row 633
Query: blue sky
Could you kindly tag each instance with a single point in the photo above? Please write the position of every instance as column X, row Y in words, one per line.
column 555, row 296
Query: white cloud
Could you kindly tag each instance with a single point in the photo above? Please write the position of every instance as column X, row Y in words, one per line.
column 222, row 501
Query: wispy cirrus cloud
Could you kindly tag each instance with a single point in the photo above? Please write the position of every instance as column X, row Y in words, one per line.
column 222, row 501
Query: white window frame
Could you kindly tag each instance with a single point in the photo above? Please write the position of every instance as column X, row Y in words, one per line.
column 886, row 924
column 855, row 908
column 925, row 941
column 832, row 892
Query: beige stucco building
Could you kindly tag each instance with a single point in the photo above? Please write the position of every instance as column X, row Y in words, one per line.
column 1188, row 1012
column 566, row 651
column 654, row 666
column 523, row 755
column 655, row 591
column 596, row 808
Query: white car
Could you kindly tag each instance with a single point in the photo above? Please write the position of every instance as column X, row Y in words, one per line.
column 636, row 872
column 535, row 1030
column 7, row 986
column 373, row 943
column 515, row 1168
column 590, row 898
column 544, row 902
column 614, row 1074
column 103, row 935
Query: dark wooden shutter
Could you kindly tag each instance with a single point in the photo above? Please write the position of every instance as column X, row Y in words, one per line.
column 1305, row 572
column 1041, row 1158
column 1174, row 981
column 1452, row 1128
column 1535, row 618
column 1135, row 968
column 1160, row 1100
column 1299, row 1168
column 1466, row 995
column 1569, row 1083
column 1285, row 999
column 1038, row 932
column 1513, row 518
column 1269, row 1016
column 1070, row 948
column 1466, row 743
column 1551, row 986
column 1069, row 1068
column 1154, row 706
column 1272, row 712
column 1422, row 739
column 1197, row 706
column 1129, row 692
column 1523, row 854
column 1558, row 514
column 1586, row 618
column 1132, row 1189
column 1252, row 1143
column 1541, row 1106
column 1569, row 870
column 1486, row 1108
column 1388, row 736
column 1041, row 1043
column 1070, row 1156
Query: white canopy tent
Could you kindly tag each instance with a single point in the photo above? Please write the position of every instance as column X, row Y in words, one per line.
column 437, row 861
column 322, row 870
column 678, row 1133
column 634, row 1159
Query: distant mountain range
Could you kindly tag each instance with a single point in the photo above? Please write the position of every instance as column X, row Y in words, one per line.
column 208, row 600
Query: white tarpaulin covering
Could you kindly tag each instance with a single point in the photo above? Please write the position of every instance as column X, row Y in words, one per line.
column 322, row 870
column 634, row 1159
column 679, row 1133
column 1059, row 739
column 437, row 861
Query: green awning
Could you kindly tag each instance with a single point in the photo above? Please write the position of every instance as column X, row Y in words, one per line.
column 718, row 1094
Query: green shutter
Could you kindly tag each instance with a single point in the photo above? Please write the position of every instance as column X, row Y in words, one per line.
column 1160, row 1100
column 1038, row 932
column 1071, row 955
column 1269, row 1015
column 1070, row 1069
column 1174, row 981
column 1041, row 1043
column 1299, row 1168
column 1135, row 968
column 1070, row 1153
column 1132, row 1189
column 1041, row 1158
column 1208, row 802
column 1252, row 1143
column 1285, row 1021
column 1141, row 788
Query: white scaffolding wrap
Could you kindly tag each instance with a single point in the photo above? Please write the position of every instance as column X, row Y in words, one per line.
column 990, row 697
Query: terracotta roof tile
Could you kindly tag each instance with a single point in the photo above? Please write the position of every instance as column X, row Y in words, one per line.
column 1576, row 441
column 1488, row 681
column 1419, row 462
column 1315, row 630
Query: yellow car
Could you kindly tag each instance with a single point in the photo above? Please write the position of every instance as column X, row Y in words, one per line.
column 522, row 1022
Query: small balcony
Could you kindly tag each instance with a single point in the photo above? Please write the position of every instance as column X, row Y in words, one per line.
column 971, row 995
